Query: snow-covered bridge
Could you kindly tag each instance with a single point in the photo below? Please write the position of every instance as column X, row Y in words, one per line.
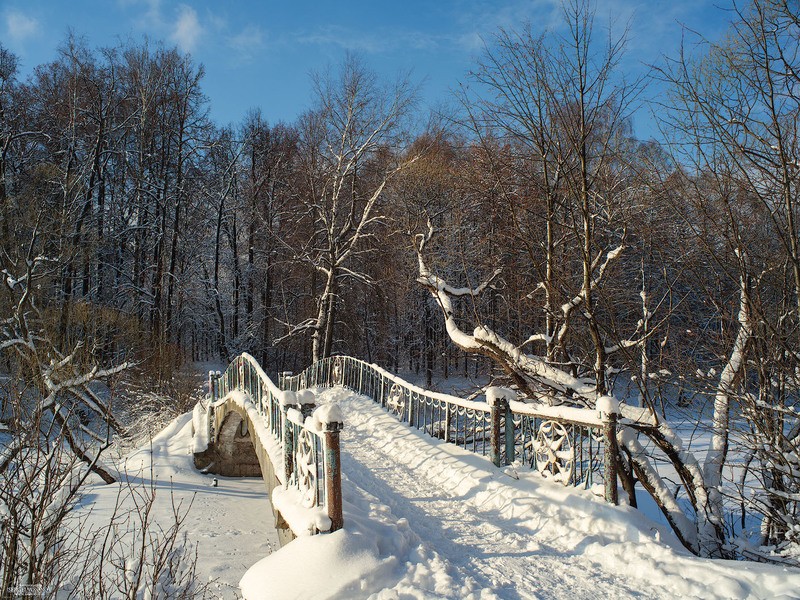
column 474, row 499
column 249, row 426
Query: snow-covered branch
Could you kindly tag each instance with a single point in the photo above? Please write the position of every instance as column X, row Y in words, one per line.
column 293, row 330
column 525, row 369
column 568, row 307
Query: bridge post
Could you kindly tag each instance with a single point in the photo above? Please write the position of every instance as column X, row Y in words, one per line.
column 610, row 458
column 510, row 450
column 211, row 386
column 499, row 409
column 307, row 402
column 608, row 411
column 282, row 377
column 333, row 475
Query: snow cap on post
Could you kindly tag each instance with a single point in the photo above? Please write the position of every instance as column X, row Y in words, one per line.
column 287, row 398
column 322, row 522
column 328, row 417
column 294, row 416
column 607, row 405
column 305, row 397
column 495, row 393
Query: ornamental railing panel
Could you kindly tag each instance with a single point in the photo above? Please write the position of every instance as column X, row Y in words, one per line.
column 572, row 446
column 462, row 422
column 310, row 455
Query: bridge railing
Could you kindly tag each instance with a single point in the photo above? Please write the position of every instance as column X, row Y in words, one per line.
column 574, row 446
column 462, row 422
column 309, row 447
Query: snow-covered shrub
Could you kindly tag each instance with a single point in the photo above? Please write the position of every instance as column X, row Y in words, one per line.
column 47, row 549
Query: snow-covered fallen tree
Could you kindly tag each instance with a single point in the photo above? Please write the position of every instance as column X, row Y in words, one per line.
column 702, row 529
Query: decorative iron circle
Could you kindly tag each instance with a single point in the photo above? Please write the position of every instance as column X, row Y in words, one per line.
column 306, row 470
column 555, row 454
column 338, row 371
column 395, row 402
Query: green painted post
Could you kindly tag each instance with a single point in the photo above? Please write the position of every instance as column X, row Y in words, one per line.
column 285, row 376
column 510, row 450
column 610, row 458
column 288, row 443
column 498, row 409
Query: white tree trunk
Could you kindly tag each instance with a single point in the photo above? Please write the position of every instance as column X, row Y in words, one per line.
column 720, row 427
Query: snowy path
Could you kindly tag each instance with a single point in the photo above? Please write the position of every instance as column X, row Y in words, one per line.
column 524, row 538
column 498, row 554
column 233, row 527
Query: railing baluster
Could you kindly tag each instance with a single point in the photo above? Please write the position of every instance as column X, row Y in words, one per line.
column 448, row 416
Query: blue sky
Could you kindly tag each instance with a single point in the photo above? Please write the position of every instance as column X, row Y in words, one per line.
column 260, row 53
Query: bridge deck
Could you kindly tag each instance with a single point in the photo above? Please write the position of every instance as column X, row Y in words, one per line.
column 459, row 528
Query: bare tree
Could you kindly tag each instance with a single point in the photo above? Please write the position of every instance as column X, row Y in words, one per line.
column 734, row 119
column 568, row 110
column 345, row 146
column 560, row 107
column 62, row 385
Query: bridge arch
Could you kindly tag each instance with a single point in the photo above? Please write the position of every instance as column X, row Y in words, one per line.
column 250, row 427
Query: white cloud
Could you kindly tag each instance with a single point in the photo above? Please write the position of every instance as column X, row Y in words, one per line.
column 372, row 42
column 150, row 19
column 218, row 22
column 20, row 27
column 187, row 29
column 248, row 42
column 337, row 35
column 472, row 41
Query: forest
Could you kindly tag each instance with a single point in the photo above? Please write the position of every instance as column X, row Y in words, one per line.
column 527, row 237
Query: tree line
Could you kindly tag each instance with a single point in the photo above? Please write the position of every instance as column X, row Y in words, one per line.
column 531, row 227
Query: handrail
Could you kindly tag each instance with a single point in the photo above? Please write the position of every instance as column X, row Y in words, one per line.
column 572, row 445
column 465, row 423
column 309, row 461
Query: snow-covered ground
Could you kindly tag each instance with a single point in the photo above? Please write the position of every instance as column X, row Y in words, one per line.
column 424, row 519
column 231, row 525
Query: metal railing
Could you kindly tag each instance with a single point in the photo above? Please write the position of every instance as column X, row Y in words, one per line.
column 573, row 446
column 462, row 422
column 311, row 461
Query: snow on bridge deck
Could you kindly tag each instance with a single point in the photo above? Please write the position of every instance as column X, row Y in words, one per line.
column 425, row 519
